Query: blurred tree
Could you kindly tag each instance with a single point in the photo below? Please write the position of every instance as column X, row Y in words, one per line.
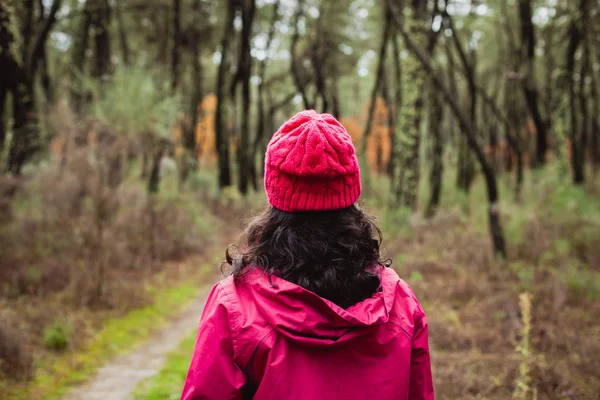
column 220, row 117
column 20, row 55
column 528, row 44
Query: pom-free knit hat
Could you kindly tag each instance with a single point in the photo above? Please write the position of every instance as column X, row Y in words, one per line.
column 311, row 165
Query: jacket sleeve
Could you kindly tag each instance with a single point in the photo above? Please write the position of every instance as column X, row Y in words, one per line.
column 213, row 374
column 421, row 382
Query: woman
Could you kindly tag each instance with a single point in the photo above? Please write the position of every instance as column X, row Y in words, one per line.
column 309, row 312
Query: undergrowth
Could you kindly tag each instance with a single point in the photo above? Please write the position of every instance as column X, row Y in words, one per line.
column 55, row 374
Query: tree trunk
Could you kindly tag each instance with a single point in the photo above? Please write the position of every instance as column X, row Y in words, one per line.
column 436, row 117
column 335, row 101
column 260, row 122
column 395, row 111
column 575, row 129
column 176, row 44
column 409, row 132
column 221, row 132
column 595, row 128
column 38, row 49
column 154, row 179
column 15, row 81
column 80, row 46
column 122, row 34
column 469, row 131
column 298, row 81
column 3, row 92
column 387, row 27
column 23, row 144
column 466, row 169
column 101, row 38
column 248, row 11
column 529, row 85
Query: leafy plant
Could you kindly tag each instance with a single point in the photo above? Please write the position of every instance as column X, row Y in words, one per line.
column 132, row 103
column 56, row 336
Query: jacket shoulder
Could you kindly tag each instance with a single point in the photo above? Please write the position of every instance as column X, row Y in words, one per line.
column 246, row 323
column 407, row 310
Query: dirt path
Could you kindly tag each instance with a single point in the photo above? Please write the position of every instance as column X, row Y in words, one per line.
column 119, row 377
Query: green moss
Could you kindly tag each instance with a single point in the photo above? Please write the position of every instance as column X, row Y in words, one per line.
column 168, row 383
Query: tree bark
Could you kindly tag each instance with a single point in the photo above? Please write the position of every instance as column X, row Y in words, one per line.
column 38, row 48
column 436, row 117
column 298, row 81
column 122, row 34
column 221, row 132
column 575, row 132
column 409, row 133
column 260, row 122
column 394, row 112
column 101, row 37
column 176, row 44
column 248, row 11
column 466, row 170
column 529, row 85
column 191, row 154
column 80, row 46
column 154, row 179
column 3, row 92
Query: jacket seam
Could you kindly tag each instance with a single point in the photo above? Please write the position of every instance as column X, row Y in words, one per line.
column 234, row 325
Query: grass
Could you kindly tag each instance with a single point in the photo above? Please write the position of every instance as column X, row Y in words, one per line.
column 56, row 375
column 168, row 383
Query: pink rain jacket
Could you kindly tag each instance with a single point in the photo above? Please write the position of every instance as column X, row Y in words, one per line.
column 281, row 342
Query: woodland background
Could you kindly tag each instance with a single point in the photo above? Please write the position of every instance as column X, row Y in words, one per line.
column 132, row 138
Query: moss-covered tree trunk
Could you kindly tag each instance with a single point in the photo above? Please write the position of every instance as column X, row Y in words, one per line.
column 436, row 118
column 408, row 133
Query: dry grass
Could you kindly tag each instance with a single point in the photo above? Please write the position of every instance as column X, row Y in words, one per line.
column 472, row 301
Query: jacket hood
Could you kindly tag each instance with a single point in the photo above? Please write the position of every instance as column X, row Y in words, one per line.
column 303, row 317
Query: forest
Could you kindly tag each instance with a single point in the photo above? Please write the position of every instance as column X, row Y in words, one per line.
column 132, row 142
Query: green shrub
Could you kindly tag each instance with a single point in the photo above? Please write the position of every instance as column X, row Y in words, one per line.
column 56, row 336
column 581, row 282
column 525, row 273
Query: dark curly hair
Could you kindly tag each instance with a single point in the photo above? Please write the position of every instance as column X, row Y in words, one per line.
column 326, row 252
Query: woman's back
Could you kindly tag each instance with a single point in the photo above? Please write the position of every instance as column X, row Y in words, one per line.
column 309, row 311
column 288, row 343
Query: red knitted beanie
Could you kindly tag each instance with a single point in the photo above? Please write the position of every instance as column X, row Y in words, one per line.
column 311, row 165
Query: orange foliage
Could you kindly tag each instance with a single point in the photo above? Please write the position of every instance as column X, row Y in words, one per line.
column 378, row 142
column 204, row 132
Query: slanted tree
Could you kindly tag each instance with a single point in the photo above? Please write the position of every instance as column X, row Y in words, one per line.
column 467, row 129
